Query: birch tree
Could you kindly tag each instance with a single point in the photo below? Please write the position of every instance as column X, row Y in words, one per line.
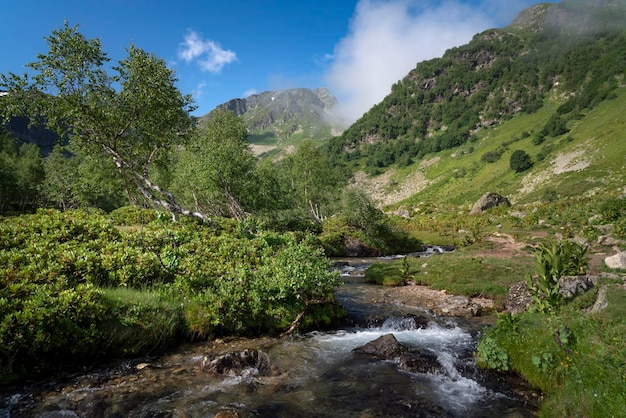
column 131, row 113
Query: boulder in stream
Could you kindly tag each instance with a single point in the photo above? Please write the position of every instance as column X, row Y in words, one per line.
column 246, row 363
column 387, row 347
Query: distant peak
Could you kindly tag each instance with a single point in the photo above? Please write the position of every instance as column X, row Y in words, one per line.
column 532, row 18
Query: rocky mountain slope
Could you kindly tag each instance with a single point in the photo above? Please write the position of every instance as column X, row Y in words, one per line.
column 551, row 84
column 274, row 117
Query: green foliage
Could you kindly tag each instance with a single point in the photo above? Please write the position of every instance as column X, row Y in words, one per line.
column 216, row 171
column 386, row 274
column 491, row 156
column 491, row 355
column 358, row 211
column 21, row 171
column 620, row 228
column 405, row 270
column 575, row 358
column 132, row 215
column 613, row 209
column 78, row 180
column 520, row 161
column 552, row 263
column 311, row 181
column 556, row 126
column 131, row 116
column 139, row 321
column 73, row 285
column 550, row 195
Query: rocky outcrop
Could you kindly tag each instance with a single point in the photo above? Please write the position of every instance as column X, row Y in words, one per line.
column 387, row 347
column 487, row 201
column 570, row 286
column 519, row 297
column 617, row 261
column 608, row 241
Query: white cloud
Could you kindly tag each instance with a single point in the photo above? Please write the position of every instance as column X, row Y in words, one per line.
column 199, row 90
column 249, row 92
column 209, row 54
column 387, row 39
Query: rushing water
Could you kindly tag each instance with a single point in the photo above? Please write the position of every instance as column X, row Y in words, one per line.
column 311, row 375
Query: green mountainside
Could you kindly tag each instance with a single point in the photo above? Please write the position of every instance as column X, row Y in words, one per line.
column 550, row 84
column 275, row 118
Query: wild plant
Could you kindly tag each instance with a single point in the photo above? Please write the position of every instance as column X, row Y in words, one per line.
column 549, row 267
column 552, row 263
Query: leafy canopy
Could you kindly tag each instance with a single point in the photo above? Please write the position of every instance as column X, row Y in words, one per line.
column 131, row 113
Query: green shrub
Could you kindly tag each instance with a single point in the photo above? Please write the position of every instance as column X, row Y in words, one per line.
column 620, row 228
column 520, row 161
column 490, row 156
column 72, row 285
column 613, row 209
column 133, row 215
column 48, row 326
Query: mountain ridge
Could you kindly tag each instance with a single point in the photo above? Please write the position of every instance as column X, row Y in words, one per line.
column 273, row 117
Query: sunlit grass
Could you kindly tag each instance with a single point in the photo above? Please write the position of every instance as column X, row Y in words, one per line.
column 465, row 273
column 460, row 176
column 141, row 320
column 578, row 359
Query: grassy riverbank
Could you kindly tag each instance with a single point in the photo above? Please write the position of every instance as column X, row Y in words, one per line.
column 575, row 356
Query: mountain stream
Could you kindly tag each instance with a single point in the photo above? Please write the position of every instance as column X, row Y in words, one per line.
column 312, row 375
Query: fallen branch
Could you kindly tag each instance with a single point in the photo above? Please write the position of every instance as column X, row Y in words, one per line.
column 295, row 324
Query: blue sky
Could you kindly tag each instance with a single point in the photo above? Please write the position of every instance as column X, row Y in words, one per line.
column 233, row 48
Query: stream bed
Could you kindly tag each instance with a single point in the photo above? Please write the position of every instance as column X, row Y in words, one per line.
column 312, row 375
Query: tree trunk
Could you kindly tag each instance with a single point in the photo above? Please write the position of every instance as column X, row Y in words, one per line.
column 152, row 192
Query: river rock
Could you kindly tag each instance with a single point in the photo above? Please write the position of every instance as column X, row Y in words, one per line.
column 617, row 261
column 609, row 241
column 601, row 300
column 460, row 306
column 354, row 247
column 387, row 347
column 487, row 201
column 421, row 361
column 246, row 363
column 570, row 286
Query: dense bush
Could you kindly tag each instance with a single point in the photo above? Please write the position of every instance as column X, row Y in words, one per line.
column 520, row 161
column 72, row 285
